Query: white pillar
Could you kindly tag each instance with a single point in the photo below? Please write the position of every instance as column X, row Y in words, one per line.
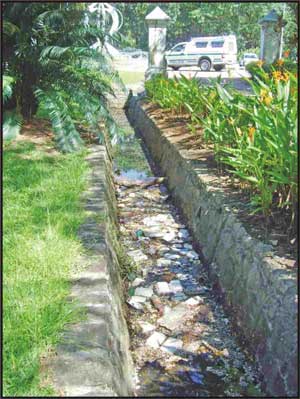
column 157, row 22
column 270, row 37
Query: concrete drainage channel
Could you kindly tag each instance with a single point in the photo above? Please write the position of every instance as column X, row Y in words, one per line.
column 182, row 343
column 181, row 337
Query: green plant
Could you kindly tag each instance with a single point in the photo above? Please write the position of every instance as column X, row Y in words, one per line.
column 263, row 70
column 178, row 95
column 12, row 120
column 255, row 136
column 47, row 49
column 258, row 139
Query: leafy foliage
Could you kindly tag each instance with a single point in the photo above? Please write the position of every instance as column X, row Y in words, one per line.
column 205, row 18
column 7, row 87
column 12, row 120
column 255, row 136
column 49, row 54
column 258, row 68
column 67, row 137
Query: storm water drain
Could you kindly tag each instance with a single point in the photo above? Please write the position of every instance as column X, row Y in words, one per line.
column 181, row 341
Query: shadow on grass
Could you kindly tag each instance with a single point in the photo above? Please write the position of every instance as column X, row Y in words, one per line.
column 21, row 173
column 43, row 191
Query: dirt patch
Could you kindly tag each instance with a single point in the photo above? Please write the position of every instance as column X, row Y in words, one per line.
column 275, row 229
column 38, row 132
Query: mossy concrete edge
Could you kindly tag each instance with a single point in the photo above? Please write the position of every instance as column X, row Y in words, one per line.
column 93, row 357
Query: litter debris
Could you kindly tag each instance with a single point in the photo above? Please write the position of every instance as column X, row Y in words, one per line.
column 150, row 181
column 156, row 339
column 162, row 288
column 137, row 255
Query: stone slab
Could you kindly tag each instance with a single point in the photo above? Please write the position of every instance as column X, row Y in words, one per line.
column 174, row 319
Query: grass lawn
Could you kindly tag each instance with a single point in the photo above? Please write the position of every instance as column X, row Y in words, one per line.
column 41, row 215
column 129, row 77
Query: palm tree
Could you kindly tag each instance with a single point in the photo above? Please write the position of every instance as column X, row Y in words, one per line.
column 47, row 51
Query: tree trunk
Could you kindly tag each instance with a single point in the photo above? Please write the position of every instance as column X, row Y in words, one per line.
column 28, row 102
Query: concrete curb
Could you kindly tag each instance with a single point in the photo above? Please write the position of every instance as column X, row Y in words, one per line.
column 93, row 357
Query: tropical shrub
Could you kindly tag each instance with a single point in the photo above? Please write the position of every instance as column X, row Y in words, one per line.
column 284, row 65
column 48, row 53
column 12, row 119
column 260, row 144
column 255, row 136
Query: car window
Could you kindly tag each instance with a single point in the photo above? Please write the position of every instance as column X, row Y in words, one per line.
column 179, row 47
column 218, row 43
column 201, row 44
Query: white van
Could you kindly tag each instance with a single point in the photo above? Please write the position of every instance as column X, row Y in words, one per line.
column 205, row 52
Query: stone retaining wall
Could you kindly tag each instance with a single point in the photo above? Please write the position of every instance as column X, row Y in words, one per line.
column 93, row 358
column 261, row 291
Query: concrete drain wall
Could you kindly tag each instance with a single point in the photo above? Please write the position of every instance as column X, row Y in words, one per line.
column 257, row 285
column 93, row 357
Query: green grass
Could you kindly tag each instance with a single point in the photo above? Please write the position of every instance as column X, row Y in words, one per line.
column 129, row 77
column 41, row 216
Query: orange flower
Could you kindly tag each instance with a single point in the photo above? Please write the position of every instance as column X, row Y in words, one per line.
column 260, row 63
column 265, row 97
column 267, row 100
column 251, row 132
column 286, row 53
column 263, row 93
column 280, row 62
column 285, row 77
column 276, row 75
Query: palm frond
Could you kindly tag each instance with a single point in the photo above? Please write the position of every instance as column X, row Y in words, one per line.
column 55, row 52
column 9, row 28
column 66, row 135
column 51, row 17
column 7, row 88
column 12, row 122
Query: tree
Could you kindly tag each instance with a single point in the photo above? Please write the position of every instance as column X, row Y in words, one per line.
column 47, row 50
column 192, row 19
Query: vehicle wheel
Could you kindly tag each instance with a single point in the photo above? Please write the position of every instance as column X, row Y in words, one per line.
column 175, row 68
column 218, row 67
column 205, row 64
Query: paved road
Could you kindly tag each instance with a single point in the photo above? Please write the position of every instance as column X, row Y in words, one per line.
column 235, row 75
column 141, row 64
column 235, row 72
